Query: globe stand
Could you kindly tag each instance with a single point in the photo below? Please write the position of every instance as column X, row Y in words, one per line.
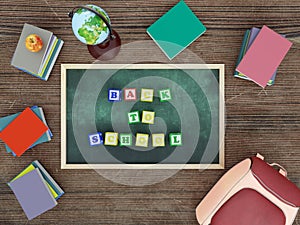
column 107, row 50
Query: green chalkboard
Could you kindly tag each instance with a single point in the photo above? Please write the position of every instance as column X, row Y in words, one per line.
column 196, row 110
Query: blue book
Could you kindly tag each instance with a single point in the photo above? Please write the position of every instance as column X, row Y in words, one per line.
column 4, row 121
column 33, row 194
column 49, row 179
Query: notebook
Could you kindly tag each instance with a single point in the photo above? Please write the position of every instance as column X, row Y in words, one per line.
column 33, row 194
column 23, row 131
column 54, row 188
column 249, row 37
column 4, row 121
column 40, row 63
column 32, row 61
column 264, row 56
column 176, row 30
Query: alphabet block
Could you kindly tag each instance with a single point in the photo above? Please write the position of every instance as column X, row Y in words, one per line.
column 125, row 139
column 175, row 139
column 96, row 139
column 111, row 138
column 142, row 140
column 147, row 95
column 148, row 117
column 130, row 94
column 114, row 95
column 165, row 95
column 158, row 140
column 133, row 117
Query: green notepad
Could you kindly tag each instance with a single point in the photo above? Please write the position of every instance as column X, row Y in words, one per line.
column 176, row 30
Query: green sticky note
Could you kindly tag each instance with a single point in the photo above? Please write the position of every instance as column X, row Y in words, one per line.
column 176, row 30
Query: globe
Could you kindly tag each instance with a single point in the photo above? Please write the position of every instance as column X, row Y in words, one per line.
column 89, row 28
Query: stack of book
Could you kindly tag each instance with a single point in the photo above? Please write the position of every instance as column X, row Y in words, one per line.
column 39, row 63
column 261, row 53
column 36, row 190
column 22, row 131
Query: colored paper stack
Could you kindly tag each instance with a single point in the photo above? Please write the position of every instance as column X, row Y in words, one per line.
column 261, row 53
column 40, row 63
column 24, row 130
column 36, row 190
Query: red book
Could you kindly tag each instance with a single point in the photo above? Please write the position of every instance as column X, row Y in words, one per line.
column 23, row 131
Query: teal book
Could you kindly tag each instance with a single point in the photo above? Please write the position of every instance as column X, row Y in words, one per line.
column 4, row 121
column 176, row 30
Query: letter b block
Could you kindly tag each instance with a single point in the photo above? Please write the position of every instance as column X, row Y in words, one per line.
column 142, row 140
column 125, row 140
column 111, row 138
column 133, row 117
column 148, row 117
column 175, row 139
column 114, row 95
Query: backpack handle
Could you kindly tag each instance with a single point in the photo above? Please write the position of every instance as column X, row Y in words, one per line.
column 282, row 170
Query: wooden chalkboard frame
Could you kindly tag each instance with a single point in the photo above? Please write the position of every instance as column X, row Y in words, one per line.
column 66, row 165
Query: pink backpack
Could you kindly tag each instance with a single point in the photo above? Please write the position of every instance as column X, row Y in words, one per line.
column 251, row 193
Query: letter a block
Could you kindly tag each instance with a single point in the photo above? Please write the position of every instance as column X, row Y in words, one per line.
column 111, row 138
column 130, row 94
column 96, row 139
column 114, row 95
column 125, row 140
column 142, row 140
column 133, row 117
column 147, row 95
column 175, row 139
column 158, row 140
column 148, row 117
column 165, row 95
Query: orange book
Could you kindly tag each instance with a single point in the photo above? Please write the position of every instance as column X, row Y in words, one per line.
column 23, row 131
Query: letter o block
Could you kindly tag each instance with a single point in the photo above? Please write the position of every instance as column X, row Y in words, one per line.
column 158, row 140
column 142, row 140
column 148, row 117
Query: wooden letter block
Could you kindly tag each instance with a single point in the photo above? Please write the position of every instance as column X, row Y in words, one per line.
column 96, row 139
column 147, row 95
column 165, row 95
column 175, row 139
column 111, row 138
column 148, row 117
column 158, row 140
column 130, row 94
column 114, row 95
column 142, row 140
column 133, row 117
column 125, row 139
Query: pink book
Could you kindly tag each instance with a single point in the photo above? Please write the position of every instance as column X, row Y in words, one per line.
column 264, row 56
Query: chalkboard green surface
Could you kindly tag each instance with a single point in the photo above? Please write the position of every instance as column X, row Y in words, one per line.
column 195, row 110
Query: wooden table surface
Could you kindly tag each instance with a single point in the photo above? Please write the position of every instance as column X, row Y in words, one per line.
column 256, row 121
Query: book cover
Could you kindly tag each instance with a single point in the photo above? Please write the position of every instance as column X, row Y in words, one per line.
column 264, row 56
column 176, row 30
column 31, row 61
column 253, row 33
column 23, row 131
column 31, row 168
column 33, row 194
column 4, row 121
column 48, row 178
